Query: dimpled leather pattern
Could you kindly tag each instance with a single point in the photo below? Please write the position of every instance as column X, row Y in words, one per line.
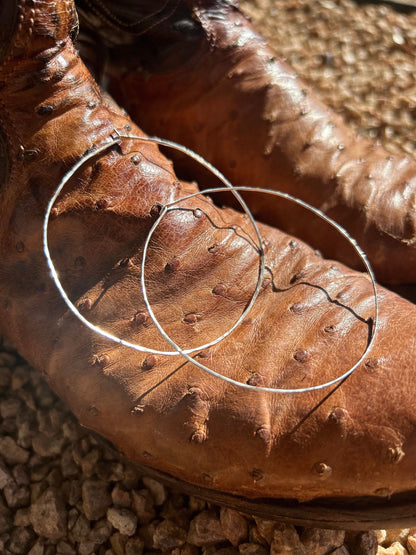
column 254, row 118
column 309, row 325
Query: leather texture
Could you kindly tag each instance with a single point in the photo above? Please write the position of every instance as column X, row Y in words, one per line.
column 249, row 114
column 310, row 323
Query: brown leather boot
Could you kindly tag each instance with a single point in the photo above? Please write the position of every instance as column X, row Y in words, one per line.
column 196, row 72
column 343, row 456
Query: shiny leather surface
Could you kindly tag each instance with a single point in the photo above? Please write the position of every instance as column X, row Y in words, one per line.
column 311, row 321
column 249, row 114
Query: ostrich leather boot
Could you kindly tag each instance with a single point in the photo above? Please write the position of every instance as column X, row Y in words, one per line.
column 341, row 456
column 196, row 72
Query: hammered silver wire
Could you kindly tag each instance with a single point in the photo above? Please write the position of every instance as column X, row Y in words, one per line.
column 339, row 228
column 164, row 210
column 106, row 334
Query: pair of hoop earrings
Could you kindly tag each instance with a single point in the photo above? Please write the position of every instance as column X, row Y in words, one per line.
column 164, row 209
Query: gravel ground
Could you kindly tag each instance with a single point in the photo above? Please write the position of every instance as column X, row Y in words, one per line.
column 62, row 491
column 360, row 56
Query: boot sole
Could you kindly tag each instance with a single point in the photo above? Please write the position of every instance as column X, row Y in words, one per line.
column 355, row 513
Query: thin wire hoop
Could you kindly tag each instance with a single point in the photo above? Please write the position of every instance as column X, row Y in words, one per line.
column 323, row 216
column 164, row 210
column 106, row 334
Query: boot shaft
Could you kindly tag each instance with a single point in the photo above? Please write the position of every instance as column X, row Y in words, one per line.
column 47, row 96
column 30, row 27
